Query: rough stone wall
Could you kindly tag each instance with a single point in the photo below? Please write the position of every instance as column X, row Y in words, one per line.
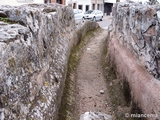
column 137, row 27
column 134, row 53
column 35, row 43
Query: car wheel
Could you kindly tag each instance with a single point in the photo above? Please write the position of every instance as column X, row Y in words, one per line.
column 101, row 18
column 94, row 19
column 83, row 19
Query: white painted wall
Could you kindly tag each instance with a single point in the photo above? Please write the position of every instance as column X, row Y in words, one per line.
column 110, row 1
column 38, row 1
column 80, row 2
column 98, row 5
column 69, row 1
column 84, row 3
column 122, row 0
column 19, row 2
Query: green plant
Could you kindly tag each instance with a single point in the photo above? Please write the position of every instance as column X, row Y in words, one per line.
column 67, row 109
column 6, row 20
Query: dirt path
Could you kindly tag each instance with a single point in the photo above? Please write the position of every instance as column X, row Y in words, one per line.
column 90, row 79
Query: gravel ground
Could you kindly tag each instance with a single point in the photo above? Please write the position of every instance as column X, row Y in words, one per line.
column 92, row 94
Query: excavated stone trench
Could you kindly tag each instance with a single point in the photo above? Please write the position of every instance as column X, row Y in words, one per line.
column 117, row 75
column 92, row 84
column 34, row 63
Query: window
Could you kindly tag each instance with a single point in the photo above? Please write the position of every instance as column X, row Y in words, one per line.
column 80, row 7
column 93, row 6
column 75, row 11
column 74, row 5
column 87, row 7
column 47, row 1
column 98, row 7
column 59, row 1
column 89, row 12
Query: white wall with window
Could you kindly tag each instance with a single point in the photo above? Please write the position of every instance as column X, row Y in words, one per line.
column 80, row 4
column 19, row 2
column 98, row 5
column 71, row 2
column 86, row 4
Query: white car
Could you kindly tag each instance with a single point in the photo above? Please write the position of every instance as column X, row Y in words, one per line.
column 78, row 14
column 93, row 15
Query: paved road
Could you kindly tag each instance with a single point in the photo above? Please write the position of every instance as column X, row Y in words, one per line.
column 106, row 22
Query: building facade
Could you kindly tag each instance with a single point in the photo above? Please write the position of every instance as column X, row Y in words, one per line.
column 79, row 4
column 97, row 5
column 86, row 4
column 20, row 2
column 58, row 1
column 108, row 4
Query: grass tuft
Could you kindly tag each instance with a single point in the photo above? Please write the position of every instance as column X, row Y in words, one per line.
column 68, row 109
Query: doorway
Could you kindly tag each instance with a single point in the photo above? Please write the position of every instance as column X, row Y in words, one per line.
column 87, row 7
column 47, row 1
column 59, row 1
column 74, row 5
column 93, row 6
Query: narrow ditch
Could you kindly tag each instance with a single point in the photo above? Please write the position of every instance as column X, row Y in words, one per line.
column 68, row 104
column 119, row 90
column 120, row 100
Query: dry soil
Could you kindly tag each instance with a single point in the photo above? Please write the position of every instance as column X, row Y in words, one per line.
column 92, row 94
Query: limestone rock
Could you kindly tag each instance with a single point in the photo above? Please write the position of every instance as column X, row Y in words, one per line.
column 95, row 116
column 35, row 43
column 101, row 91
column 136, row 26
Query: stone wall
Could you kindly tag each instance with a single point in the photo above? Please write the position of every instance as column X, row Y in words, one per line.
column 134, row 53
column 137, row 27
column 35, row 43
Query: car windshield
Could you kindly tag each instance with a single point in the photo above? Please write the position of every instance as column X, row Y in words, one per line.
column 75, row 11
column 89, row 12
